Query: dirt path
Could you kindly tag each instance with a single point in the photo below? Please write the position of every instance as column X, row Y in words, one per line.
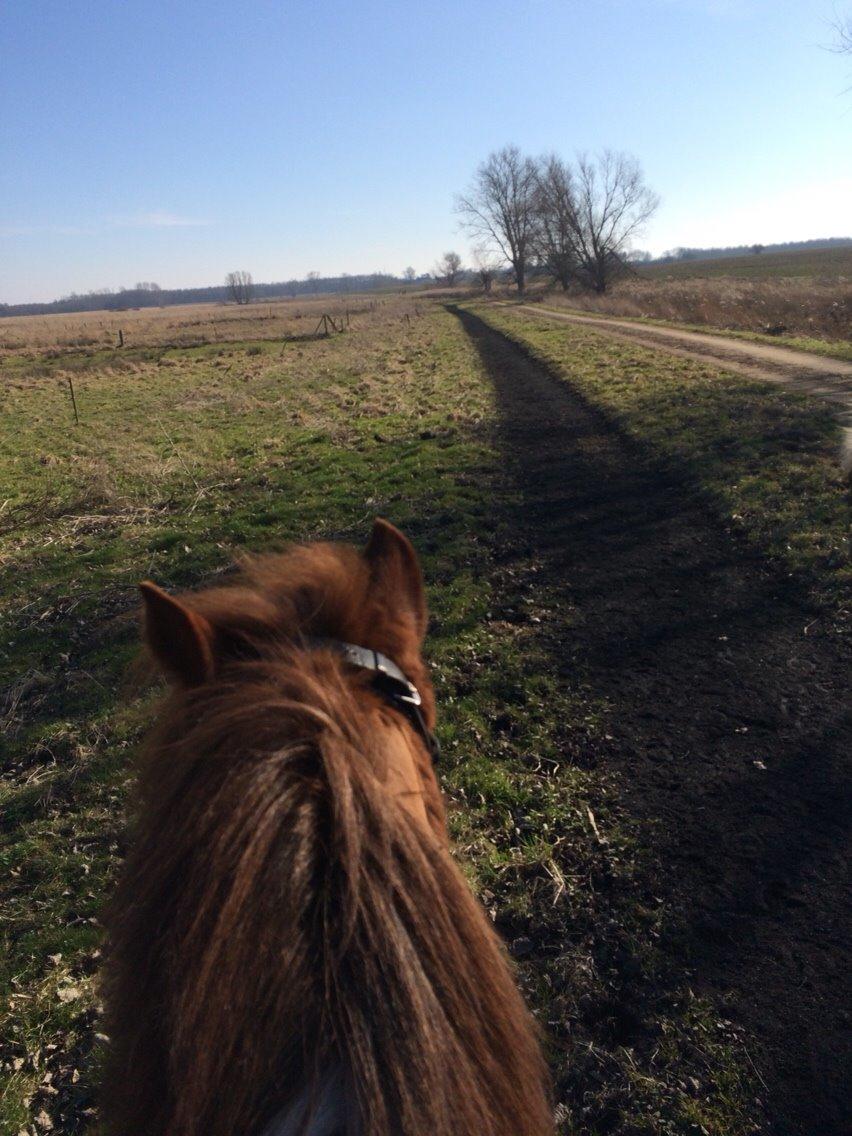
column 732, row 729
column 830, row 379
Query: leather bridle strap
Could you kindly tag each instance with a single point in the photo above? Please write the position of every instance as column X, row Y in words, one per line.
column 391, row 683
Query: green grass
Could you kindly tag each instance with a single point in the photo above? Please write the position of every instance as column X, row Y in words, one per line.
column 766, row 458
column 187, row 458
column 829, row 262
column 831, row 349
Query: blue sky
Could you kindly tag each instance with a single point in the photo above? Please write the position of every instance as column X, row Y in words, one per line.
column 146, row 140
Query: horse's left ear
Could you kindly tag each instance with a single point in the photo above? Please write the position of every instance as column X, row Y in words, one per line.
column 395, row 569
column 180, row 639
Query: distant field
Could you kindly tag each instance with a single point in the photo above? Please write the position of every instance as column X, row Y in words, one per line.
column 185, row 325
column 830, row 263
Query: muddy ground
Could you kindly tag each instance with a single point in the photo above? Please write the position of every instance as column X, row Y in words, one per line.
column 732, row 727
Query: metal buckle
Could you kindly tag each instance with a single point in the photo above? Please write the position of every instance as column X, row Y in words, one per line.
column 391, row 683
column 405, row 696
column 398, row 689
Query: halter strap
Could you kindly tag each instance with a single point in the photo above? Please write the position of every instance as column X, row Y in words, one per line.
column 390, row 682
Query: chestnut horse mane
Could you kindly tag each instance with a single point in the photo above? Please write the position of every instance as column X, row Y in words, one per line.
column 279, row 915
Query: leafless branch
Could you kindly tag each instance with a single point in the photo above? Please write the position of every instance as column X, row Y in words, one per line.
column 499, row 209
column 589, row 215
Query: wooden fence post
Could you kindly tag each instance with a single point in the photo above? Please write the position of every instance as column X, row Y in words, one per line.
column 326, row 322
column 73, row 401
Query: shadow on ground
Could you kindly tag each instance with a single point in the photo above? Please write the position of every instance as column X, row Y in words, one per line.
column 732, row 729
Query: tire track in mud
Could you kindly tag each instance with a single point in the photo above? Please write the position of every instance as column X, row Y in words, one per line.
column 733, row 733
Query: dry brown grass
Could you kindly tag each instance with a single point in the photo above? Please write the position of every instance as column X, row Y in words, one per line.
column 821, row 308
column 187, row 325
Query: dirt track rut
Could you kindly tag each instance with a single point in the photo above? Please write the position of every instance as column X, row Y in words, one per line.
column 732, row 729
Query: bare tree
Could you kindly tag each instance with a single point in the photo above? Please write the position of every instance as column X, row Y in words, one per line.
column 843, row 31
column 556, row 236
column 448, row 268
column 240, row 287
column 499, row 208
column 409, row 275
column 486, row 268
column 593, row 212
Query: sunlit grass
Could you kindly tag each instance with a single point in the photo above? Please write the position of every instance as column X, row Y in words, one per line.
column 187, row 458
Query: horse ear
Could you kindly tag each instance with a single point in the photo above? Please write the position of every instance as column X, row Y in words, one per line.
column 395, row 569
column 180, row 639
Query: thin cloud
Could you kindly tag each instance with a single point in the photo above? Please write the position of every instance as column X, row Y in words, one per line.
column 38, row 230
column 156, row 219
column 711, row 7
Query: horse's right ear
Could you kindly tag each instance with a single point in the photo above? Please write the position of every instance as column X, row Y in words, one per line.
column 180, row 639
column 395, row 571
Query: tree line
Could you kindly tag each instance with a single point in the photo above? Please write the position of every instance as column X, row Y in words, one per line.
column 727, row 252
column 152, row 295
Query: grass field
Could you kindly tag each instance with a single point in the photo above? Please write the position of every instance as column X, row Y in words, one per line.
column 805, row 299
column 188, row 325
column 187, row 456
column 829, row 348
column 809, row 315
column 813, row 263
